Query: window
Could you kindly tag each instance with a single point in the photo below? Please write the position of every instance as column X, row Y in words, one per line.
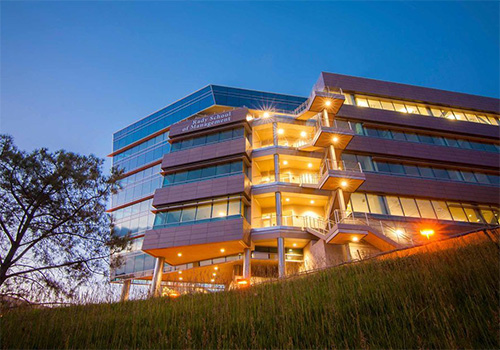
column 426, row 139
column 489, row 216
column 394, row 206
column 409, row 207
column 400, row 107
column 441, row 173
column 425, row 208
column 387, row 105
column 412, row 137
column 468, row 176
column 361, row 102
column 397, row 135
column 455, row 175
column 383, row 167
column 451, row 142
column 208, row 171
column 441, row 210
column 223, row 169
column 473, row 215
column 220, row 209
column 372, row 132
column 457, row 212
column 374, row 103
column 396, row 168
column 236, row 167
column 366, row 163
column 386, row 134
column 425, row 171
column 173, row 216
column 188, row 214
column 199, row 141
column 359, row 203
column 234, row 207
column 482, row 178
column 204, row 211
column 411, row 170
column 376, row 204
column 194, row 174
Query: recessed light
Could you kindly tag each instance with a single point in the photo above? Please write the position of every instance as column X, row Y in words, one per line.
column 335, row 139
column 214, row 274
column 180, row 278
column 266, row 115
column 343, row 183
column 355, row 239
column 180, row 272
column 285, row 162
column 287, row 199
column 295, row 244
column 212, row 280
column 303, row 134
column 312, row 201
column 216, row 268
column 222, row 250
column 328, row 102
column 281, row 131
column 179, row 254
column 309, row 165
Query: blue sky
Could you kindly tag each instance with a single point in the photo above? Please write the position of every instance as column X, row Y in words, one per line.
column 72, row 73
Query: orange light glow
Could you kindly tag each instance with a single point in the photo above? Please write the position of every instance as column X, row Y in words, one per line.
column 328, row 102
column 344, row 183
column 179, row 254
column 265, row 115
column 174, row 295
column 427, row 232
column 335, row 139
column 222, row 250
column 242, row 282
column 355, row 239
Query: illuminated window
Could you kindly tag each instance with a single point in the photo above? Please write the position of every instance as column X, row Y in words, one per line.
column 387, row 105
column 410, row 207
column 374, row 103
column 425, row 209
column 359, row 203
column 457, row 212
column 394, row 206
column 441, row 210
column 376, row 204
column 361, row 102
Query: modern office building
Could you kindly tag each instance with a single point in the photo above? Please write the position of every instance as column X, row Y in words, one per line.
column 231, row 186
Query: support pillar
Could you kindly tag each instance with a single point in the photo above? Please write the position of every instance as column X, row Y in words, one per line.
column 246, row 263
column 336, row 166
column 157, row 276
column 276, row 167
column 281, row 257
column 326, row 121
column 279, row 209
column 125, row 290
column 275, row 134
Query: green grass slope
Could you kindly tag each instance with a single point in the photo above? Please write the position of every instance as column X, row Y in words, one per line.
column 444, row 299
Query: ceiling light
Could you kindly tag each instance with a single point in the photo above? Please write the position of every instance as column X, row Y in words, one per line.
column 295, row 244
column 265, row 115
column 222, row 250
column 179, row 254
column 214, row 274
column 212, row 280
column 312, row 201
column 399, row 232
column 180, row 278
column 427, row 232
column 216, row 268
column 221, row 213
column 335, row 139
column 343, row 183
column 355, row 239
column 287, row 199
column 180, row 272
column 249, row 117
column 285, row 162
column 303, row 134
column 281, row 131
column 328, row 102
column 310, row 165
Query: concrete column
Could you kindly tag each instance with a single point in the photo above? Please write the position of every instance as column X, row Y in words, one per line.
column 157, row 275
column 347, row 252
column 246, row 263
column 125, row 290
column 275, row 134
column 276, row 167
column 336, row 166
column 279, row 209
column 326, row 121
column 281, row 257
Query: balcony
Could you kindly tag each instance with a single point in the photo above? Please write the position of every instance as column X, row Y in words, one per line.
column 338, row 134
column 339, row 174
column 331, row 100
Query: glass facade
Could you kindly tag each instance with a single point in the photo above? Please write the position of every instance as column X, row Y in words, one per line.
column 423, row 208
column 360, row 129
column 433, row 172
column 215, row 137
column 204, row 173
column 427, row 110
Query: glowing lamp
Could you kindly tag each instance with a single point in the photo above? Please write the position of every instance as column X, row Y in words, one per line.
column 249, row 117
column 355, row 239
column 335, row 139
column 312, row 201
column 180, row 272
column 222, row 250
column 427, row 232
column 309, row 165
column 179, row 254
column 287, row 199
column 343, row 183
column 285, row 162
column 328, row 103
column 295, row 244
column 212, row 280
column 180, row 278
column 174, row 295
column 216, row 268
column 266, row 115
column 242, row 282
column 303, row 134
column 281, row 131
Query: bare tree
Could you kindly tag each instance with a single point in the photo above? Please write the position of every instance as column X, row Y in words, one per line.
column 55, row 234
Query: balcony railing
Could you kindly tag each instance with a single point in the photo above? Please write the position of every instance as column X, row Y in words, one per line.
column 269, row 220
column 315, row 91
column 340, row 165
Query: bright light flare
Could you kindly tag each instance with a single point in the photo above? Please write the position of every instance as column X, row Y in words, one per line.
column 427, row 232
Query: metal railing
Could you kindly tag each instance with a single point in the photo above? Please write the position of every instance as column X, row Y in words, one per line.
column 339, row 165
column 330, row 92
column 301, row 179
column 270, row 220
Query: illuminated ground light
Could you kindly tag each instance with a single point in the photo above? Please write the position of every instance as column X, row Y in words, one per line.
column 242, row 282
column 174, row 295
column 427, row 232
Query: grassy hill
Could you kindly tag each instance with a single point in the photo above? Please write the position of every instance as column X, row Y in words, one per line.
column 441, row 299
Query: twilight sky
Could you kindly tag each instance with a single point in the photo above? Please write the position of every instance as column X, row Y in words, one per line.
column 72, row 73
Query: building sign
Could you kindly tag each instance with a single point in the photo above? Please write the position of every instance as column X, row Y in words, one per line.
column 208, row 121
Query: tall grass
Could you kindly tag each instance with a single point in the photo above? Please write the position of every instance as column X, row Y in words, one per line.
column 441, row 299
